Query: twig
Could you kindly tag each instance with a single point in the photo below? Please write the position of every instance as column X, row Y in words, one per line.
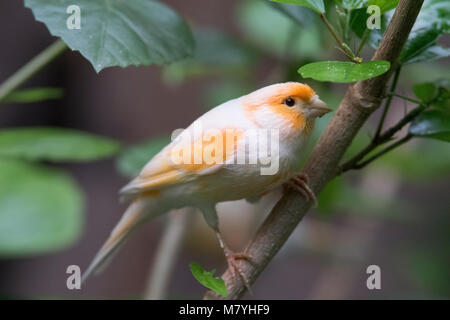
column 393, row 94
column 382, row 152
column 347, row 52
column 31, row 68
column 364, row 38
column 387, row 104
column 358, row 104
column 166, row 254
column 385, row 137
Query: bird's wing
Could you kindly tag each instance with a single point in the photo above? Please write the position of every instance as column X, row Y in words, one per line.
column 186, row 159
column 222, row 131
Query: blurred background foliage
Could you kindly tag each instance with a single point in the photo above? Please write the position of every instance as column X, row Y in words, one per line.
column 41, row 205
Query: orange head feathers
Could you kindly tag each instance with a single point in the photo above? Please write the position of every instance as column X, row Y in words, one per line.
column 295, row 104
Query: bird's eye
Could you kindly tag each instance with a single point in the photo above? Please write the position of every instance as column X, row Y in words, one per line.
column 289, row 102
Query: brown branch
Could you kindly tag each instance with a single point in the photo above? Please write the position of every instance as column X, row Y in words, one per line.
column 360, row 100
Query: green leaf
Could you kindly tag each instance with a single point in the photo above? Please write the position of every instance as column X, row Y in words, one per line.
column 34, row 95
column 431, row 53
column 437, row 93
column 40, row 209
column 119, row 33
column 435, row 11
column 206, row 278
column 352, row 4
column 133, row 159
column 442, row 99
column 316, row 5
column 425, row 91
column 420, row 39
column 339, row 71
column 358, row 24
column 421, row 45
column 358, row 21
column 359, row 16
column 54, row 144
column 434, row 124
column 385, row 5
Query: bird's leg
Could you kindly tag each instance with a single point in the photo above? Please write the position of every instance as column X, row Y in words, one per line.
column 232, row 258
column 211, row 218
column 300, row 183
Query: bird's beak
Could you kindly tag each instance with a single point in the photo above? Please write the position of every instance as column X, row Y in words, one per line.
column 318, row 108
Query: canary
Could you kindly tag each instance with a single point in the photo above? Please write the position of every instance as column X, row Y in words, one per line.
column 241, row 149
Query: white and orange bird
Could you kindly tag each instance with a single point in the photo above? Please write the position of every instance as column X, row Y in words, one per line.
column 167, row 183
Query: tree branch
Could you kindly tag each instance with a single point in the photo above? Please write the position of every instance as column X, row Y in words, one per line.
column 360, row 100
column 382, row 152
column 353, row 163
column 393, row 94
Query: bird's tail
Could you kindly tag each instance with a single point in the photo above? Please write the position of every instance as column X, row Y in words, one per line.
column 133, row 216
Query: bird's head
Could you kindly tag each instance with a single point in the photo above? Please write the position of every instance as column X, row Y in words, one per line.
column 290, row 104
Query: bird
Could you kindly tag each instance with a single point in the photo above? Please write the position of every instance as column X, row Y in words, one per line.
column 217, row 159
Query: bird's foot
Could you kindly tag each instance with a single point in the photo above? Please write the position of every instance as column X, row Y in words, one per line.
column 300, row 183
column 234, row 267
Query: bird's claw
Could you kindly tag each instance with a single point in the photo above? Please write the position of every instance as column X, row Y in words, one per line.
column 234, row 267
column 300, row 183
